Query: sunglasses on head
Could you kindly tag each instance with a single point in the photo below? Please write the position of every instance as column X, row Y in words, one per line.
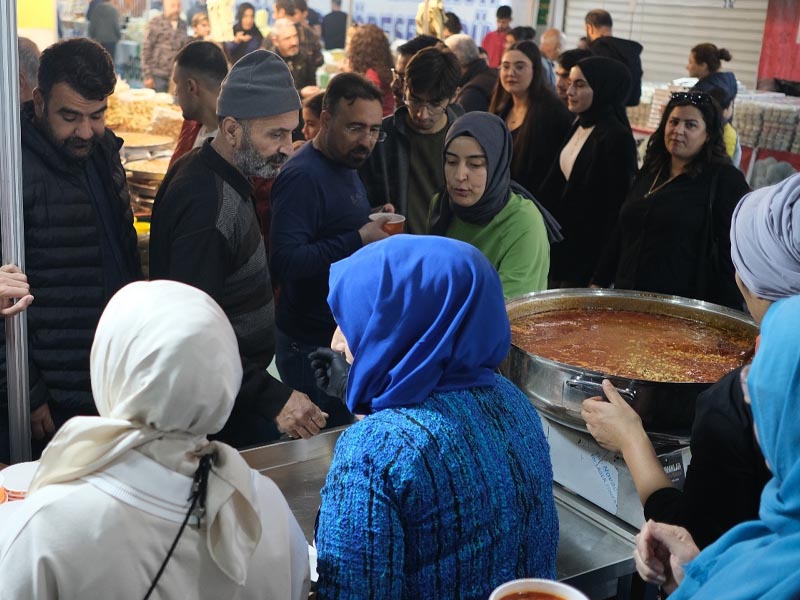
column 696, row 98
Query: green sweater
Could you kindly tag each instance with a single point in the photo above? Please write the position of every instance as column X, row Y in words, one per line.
column 515, row 242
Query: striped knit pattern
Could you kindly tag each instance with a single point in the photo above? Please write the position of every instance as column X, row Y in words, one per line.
column 446, row 499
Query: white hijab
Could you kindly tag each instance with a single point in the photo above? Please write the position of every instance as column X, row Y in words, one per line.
column 165, row 371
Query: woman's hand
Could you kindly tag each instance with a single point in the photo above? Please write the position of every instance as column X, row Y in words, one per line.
column 241, row 37
column 661, row 553
column 613, row 423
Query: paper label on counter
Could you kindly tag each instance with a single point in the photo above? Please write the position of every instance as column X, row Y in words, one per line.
column 582, row 466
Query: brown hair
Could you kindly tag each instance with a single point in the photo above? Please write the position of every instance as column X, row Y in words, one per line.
column 368, row 48
column 540, row 100
column 710, row 56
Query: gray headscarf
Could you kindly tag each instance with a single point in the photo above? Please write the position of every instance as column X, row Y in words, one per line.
column 765, row 240
column 491, row 133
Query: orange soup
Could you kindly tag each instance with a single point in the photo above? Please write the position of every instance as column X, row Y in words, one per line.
column 632, row 344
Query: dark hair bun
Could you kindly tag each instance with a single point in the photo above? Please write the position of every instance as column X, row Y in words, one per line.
column 724, row 54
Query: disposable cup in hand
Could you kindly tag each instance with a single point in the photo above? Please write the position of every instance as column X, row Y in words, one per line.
column 395, row 224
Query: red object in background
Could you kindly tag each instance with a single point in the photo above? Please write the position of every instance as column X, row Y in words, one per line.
column 780, row 52
column 186, row 139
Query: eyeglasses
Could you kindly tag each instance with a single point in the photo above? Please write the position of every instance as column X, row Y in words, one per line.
column 696, row 98
column 359, row 131
column 434, row 108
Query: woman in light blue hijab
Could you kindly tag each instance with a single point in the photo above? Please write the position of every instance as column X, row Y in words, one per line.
column 757, row 559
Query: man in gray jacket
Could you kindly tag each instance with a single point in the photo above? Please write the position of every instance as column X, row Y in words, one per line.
column 407, row 168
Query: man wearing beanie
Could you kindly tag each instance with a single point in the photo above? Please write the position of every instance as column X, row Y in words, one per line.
column 320, row 214
column 205, row 233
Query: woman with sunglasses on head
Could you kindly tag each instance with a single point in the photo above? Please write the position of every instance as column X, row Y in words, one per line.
column 482, row 206
column 536, row 118
column 727, row 473
column 759, row 558
column 593, row 171
column 672, row 233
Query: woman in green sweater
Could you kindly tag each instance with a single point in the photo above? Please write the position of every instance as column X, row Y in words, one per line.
column 482, row 206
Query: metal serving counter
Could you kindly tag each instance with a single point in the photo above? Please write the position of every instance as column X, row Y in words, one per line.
column 595, row 548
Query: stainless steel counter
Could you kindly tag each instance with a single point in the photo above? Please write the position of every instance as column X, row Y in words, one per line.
column 595, row 549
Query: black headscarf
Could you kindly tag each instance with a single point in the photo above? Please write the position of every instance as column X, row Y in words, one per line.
column 610, row 81
column 491, row 133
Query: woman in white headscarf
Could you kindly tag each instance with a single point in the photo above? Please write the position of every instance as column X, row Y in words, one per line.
column 112, row 492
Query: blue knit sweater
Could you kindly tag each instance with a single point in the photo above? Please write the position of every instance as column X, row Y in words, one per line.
column 447, row 499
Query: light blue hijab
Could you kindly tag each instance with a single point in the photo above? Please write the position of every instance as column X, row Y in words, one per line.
column 761, row 559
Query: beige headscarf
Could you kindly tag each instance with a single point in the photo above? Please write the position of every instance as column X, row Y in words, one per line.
column 165, row 372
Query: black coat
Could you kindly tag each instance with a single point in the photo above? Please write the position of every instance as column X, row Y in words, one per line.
column 727, row 474
column 628, row 53
column 550, row 133
column 587, row 205
column 64, row 264
column 476, row 86
column 657, row 242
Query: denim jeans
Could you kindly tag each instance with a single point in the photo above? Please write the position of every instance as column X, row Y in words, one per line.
column 294, row 366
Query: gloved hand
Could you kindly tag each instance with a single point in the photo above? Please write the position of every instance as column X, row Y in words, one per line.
column 330, row 371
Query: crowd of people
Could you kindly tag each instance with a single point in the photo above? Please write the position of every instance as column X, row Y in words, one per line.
column 515, row 174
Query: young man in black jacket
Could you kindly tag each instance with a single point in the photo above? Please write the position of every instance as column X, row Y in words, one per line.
column 603, row 43
column 80, row 245
column 407, row 169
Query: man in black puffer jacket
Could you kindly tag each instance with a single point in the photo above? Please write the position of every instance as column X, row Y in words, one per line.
column 80, row 245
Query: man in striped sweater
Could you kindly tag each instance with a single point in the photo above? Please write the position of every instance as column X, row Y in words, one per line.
column 205, row 233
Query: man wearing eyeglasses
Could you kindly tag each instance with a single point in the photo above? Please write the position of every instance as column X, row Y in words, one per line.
column 320, row 215
column 406, row 169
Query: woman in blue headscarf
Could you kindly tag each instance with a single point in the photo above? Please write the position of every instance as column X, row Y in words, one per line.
column 757, row 559
column 482, row 206
column 444, row 489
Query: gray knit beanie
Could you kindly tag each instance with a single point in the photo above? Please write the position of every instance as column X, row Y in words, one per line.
column 258, row 85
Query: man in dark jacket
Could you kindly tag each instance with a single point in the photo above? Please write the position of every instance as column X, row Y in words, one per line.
column 407, row 168
column 205, row 233
column 477, row 78
column 80, row 245
column 334, row 26
column 320, row 215
column 603, row 43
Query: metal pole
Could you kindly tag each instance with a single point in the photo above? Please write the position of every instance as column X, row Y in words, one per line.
column 13, row 232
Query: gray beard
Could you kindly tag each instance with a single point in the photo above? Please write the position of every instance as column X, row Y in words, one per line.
column 253, row 164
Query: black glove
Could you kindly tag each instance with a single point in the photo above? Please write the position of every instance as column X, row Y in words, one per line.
column 330, row 371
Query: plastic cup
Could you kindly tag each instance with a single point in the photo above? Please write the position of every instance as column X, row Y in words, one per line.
column 515, row 590
column 396, row 223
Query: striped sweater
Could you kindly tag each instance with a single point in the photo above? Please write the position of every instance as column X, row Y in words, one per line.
column 449, row 498
column 205, row 233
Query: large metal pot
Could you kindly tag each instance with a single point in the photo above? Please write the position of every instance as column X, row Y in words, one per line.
column 557, row 389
